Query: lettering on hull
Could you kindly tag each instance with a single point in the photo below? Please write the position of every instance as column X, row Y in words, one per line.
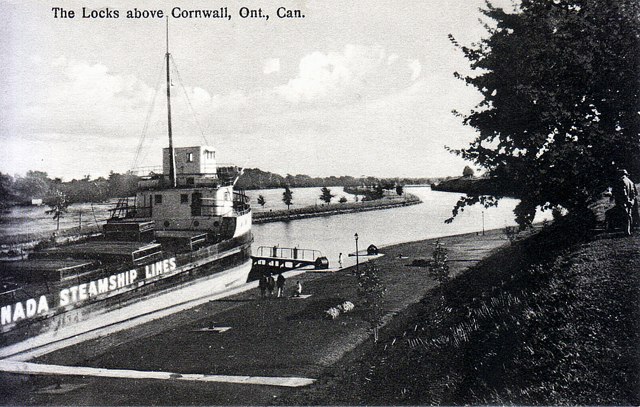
column 23, row 310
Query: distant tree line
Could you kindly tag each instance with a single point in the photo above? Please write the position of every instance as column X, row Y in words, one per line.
column 38, row 185
column 254, row 178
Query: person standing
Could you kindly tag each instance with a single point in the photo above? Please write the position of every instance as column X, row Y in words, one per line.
column 271, row 285
column 262, row 284
column 625, row 193
column 340, row 260
column 280, row 285
column 298, row 291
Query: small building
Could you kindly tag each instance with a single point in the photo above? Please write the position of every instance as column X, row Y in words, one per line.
column 36, row 201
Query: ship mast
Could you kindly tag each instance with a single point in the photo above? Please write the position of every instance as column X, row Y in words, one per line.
column 172, row 156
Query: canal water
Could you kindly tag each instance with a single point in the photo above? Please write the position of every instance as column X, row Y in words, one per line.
column 335, row 234
column 331, row 234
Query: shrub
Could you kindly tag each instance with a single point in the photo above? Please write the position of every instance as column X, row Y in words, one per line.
column 332, row 313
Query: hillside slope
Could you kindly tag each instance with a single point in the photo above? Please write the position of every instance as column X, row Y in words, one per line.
column 550, row 320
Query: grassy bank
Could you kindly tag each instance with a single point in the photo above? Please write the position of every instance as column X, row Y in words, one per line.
column 335, row 209
column 272, row 337
column 476, row 186
column 550, row 320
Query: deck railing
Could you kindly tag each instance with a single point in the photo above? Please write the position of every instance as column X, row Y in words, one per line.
column 288, row 253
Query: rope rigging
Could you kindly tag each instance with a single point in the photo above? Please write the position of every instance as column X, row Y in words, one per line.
column 186, row 95
column 137, row 158
column 145, row 128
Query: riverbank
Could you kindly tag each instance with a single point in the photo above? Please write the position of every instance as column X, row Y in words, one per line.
column 551, row 319
column 476, row 186
column 272, row 337
column 386, row 202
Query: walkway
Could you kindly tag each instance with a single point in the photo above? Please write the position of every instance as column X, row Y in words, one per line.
column 10, row 366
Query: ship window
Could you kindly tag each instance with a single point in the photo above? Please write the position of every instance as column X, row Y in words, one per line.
column 158, row 199
column 166, row 223
column 196, row 223
column 210, row 155
column 190, row 181
column 184, row 198
column 189, row 157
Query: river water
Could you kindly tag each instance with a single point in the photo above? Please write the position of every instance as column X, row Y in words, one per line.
column 335, row 234
column 331, row 234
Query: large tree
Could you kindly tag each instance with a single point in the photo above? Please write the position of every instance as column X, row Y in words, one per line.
column 560, row 84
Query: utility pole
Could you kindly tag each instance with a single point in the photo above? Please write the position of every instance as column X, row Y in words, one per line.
column 357, row 255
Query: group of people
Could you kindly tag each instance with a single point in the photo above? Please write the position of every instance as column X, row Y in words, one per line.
column 268, row 284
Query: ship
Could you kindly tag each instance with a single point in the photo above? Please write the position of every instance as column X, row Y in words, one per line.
column 183, row 238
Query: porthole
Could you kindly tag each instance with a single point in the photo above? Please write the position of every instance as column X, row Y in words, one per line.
column 196, row 223
column 216, row 224
column 166, row 223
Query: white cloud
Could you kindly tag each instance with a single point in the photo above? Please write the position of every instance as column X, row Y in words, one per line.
column 356, row 73
column 415, row 67
column 363, row 91
column 271, row 65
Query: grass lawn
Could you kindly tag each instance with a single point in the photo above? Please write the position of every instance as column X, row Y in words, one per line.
column 552, row 319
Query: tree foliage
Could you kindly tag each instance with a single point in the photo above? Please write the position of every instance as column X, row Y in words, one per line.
column 58, row 204
column 467, row 171
column 36, row 184
column 287, row 196
column 560, row 88
column 6, row 190
column 326, row 195
column 261, row 200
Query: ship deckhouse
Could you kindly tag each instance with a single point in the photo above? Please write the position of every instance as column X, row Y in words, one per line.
column 203, row 198
column 195, row 166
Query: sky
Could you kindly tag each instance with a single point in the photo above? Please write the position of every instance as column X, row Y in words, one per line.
column 353, row 88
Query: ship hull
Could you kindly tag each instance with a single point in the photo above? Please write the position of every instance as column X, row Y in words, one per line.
column 214, row 270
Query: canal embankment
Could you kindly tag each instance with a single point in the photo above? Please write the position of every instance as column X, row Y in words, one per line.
column 267, row 337
column 312, row 211
column 549, row 319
